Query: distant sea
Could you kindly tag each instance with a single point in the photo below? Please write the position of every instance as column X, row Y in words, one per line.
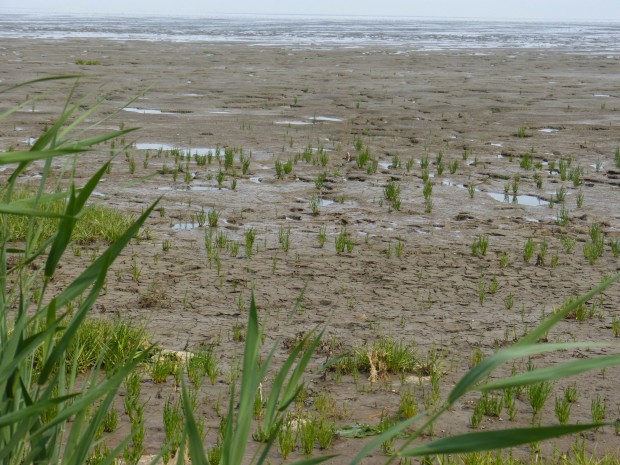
column 324, row 32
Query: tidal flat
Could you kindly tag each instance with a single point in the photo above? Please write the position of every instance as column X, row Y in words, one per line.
column 445, row 201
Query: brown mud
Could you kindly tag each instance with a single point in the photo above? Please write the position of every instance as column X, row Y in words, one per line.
column 410, row 105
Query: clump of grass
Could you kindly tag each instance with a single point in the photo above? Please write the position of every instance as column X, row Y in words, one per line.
column 480, row 246
column 97, row 223
column 408, row 407
column 202, row 363
column 522, row 132
column 528, row 250
column 322, row 235
column 391, row 192
column 393, row 357
column 598, row 409
column 562, row 409
column 284, row 237
column 537, row 395
column 82, row 61
column 594, row 247
column 250, row 236
column 344, row 242
column 162, row 367
column 173, row 428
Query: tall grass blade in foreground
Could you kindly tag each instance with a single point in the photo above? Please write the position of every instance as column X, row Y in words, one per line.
column 39, row 388
column 284, row 389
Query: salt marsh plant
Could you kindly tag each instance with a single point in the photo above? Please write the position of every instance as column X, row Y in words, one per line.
column 615, row 248
column 594, row 247
column 471, row 188
column 399, row 248
column 562, row 409
column 363, row 157
column 537, row 395
column 279, row 169
column 344, row 242
column 391, row 192
column 598, row 409
column 314, row 204
column 560, row 195
column 538, row 180
column 480, row 245
column 213, row 217
column 284, row 238
column 563, row 216
column 615, row 326
column 395, row 162
column 526, row 161
column 322, row 235
column 528, row 250
column 453, row 166
column 202, row 363
column 617, row 157
column 575, row 175
column 173, row 428
column 319, row 182
column 250, row 236
column 408, row 407
column 372, row 167
column 521, row 132
column 568, row 242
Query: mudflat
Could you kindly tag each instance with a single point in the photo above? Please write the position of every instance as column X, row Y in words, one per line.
column 512, row 145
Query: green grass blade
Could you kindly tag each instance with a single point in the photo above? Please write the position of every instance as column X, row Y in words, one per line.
column 7, row 158
column 249, row 385
column 196, row 451
column 16, row 209
column 562, row 370
column 44, row 79
column 90, row 274
column 276, row 388
column 65, row 228
column 314, row 460
column 74, row 325
column 469, row 381
column 490, row 440
column 293, row 384
column 98, row 139
column 395, row 430
column 544, row 327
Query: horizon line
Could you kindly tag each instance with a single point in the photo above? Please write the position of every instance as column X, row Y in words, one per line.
column 197, row 15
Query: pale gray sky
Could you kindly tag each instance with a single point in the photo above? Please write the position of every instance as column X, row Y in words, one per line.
column 486, row 9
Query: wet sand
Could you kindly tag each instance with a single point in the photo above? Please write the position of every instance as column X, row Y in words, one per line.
column 274, row 103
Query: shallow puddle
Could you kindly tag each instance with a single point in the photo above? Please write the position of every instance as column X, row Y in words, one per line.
column 185, row 226
column 548, row 130
column 293, row 122
column 256, row 180
column 527, row 200
column 192, row 150
column 325, row 118
column 146, row 111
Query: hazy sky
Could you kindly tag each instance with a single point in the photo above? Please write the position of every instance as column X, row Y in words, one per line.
column 491, row 9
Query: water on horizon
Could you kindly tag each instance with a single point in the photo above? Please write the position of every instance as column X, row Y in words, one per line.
column 409, row 33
